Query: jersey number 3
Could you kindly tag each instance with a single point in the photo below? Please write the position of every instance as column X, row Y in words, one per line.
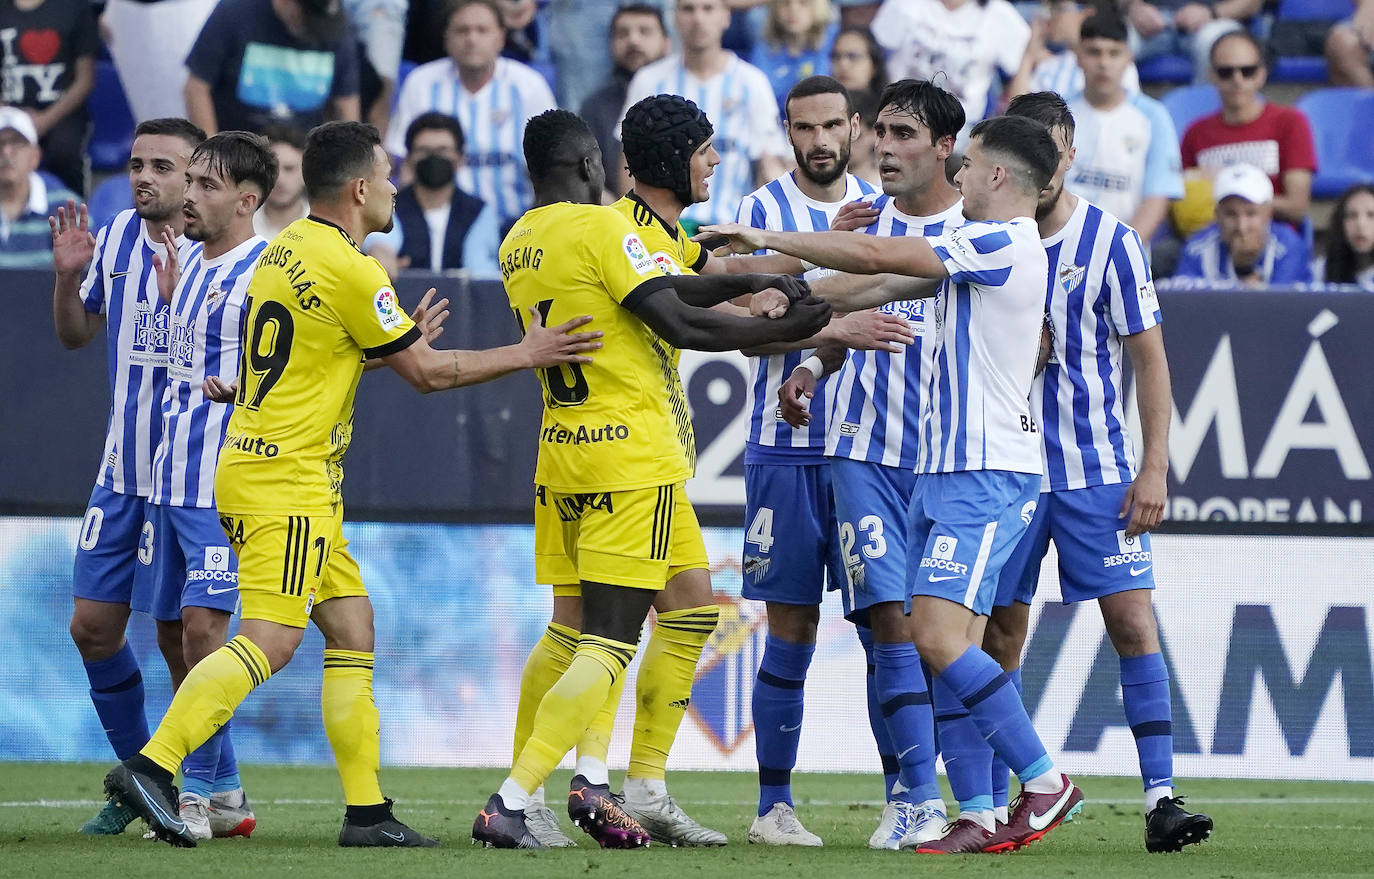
column 564, row 385
column 266, row 350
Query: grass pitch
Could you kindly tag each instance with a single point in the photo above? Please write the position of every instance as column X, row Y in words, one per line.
column 1278, row 829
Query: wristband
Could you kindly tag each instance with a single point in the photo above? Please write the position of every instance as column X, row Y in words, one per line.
column 812, row 365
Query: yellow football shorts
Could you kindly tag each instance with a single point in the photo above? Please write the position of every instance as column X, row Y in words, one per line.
column 289, row 564
column 639, row 538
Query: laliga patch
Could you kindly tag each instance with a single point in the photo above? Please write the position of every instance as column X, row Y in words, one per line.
column 665, row 263
column 638, row 255
column 388, row 308
column 1146, row 291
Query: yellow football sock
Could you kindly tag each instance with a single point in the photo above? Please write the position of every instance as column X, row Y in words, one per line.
column 545, row 665
column 206, row 700
column 352, row 724
column 665, row 685
column 596, row 741
column 569, row 706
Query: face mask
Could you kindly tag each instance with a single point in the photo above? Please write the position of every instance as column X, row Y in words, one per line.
column 434, row 172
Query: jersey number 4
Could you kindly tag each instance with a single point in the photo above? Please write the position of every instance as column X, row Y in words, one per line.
column 266, row 350
column 564, row 385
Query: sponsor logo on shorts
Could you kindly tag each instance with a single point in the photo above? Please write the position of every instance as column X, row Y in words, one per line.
column 858, row 574
column 194, row 576
column 216, row 558
column 942, row 558
column 1028, row 512
column 1129, row 553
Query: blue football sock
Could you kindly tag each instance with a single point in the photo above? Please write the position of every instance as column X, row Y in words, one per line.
column 1001, row 775
column 1145, row 696
column 777, row 708
column 198, row 767
column 886, row 754
column 996, row 709
column 117, row 693
column 227, row 773
column 905, row 705
column 968, row 757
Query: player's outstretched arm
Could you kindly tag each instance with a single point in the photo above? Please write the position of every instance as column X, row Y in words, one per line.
column 426, row 369
column 861, row 330
column 844, row 251
column 851, row 292
column 794, row 397
column 1144, row 501
column 706, row 329
column 705, row 291
column 73, row 245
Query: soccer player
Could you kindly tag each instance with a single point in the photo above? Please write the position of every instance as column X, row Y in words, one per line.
column 316, row 309
column 1094, row 504
column 870, row 440
column 193, row 572
column 119, row 290
column 978, row 462
column 616, row 443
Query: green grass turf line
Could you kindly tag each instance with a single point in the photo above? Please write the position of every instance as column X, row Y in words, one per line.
column 1264, row 829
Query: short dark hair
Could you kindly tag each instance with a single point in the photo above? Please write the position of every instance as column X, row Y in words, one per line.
column 1104, row 24
column 933, row 107
column 818, row 85
column 1241, row 34
column 453, row 7
column 335, row 153
column 1047, row 108
column 1026, row 142
column 241, row 157
column 172, row 126
column 434, row 121
column 640, row 9
column 283, row 132
column 867, row 104
column 555, row 140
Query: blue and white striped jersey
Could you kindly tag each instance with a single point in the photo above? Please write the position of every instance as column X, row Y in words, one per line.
column 878, row 396
column 121, row 283
column 740, row 104
column 987, row 320
column 781, row 206
column 1099, row 290
column 1061, row 74
column 493, row 120
column 207, row 311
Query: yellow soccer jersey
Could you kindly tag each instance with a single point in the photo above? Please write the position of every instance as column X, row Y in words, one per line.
column 614, row 424
column 316, row 309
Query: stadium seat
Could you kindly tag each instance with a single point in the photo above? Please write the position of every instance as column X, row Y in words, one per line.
column 112, row 134
column 1343, row 126
column 1314, row 10
column 1166, row 68
column 1299, row 68
column 1189, row 103
column 109, row 198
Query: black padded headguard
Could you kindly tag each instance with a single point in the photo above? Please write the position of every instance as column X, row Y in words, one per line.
column 659, row 135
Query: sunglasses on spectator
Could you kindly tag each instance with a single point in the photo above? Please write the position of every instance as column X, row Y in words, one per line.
column 1245, row 70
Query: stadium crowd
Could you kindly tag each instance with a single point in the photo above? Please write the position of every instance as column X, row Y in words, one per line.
column 451, row 85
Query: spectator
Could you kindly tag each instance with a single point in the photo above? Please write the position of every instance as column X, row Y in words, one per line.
column 438, row 226
column 1349, row 46
column 286, row 203
column 491, row 96
column 379, row 29
column 1186, row 27
column 425, row 31
column 579, row 53
column 857, row 61
column 262, row 61
column 796, row 43
column 49, row 70
column 735, row 96
column 1050, row 63
column 1349, row 255
column 27, row 198
column 638, row 36
column 1245, row 246
column 966, row 41
column 154, row 81
column 1275, row 139
column 524, row 35
column 1128, row 160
